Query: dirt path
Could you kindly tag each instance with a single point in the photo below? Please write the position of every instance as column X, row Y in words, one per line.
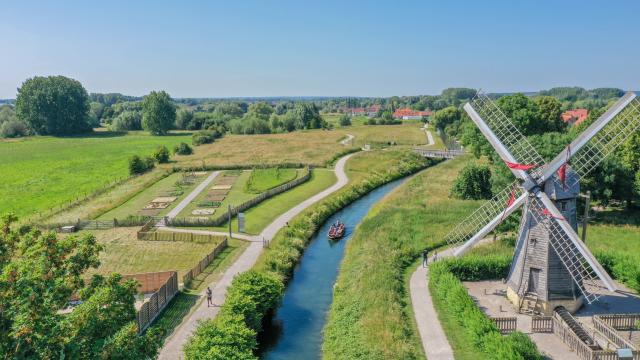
column 430, row 140
column 434, row 340
column 346, row 141
column 189, row 198
column 172, row 348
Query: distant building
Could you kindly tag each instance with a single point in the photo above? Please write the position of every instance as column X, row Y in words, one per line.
column 371, row 111
column 408, row 114
column 575, row 116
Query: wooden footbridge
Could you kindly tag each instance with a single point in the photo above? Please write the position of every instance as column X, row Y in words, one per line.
column 439, row 154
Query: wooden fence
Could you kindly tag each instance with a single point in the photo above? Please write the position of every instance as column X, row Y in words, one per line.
column 439, row 154
column 157, row 302
column 542, row 324
column 167, row 235
column 506, row 325
column 562, row 330
column 197, row 222
column 620, row 321
column 611, row 333
column 202, row 264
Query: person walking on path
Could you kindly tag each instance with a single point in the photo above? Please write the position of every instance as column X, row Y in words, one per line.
column 435, row 256
column 425, row 257
column 209, row 295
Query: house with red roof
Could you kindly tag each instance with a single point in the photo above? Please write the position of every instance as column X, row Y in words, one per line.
column 575, row 116
column 410, row 114
column 371, row 111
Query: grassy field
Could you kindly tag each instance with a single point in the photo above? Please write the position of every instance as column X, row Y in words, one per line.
column 164, row 187
column 334, row 119
column 370, row 312
column 40, row 172
column 405, row 134
column 258, row 217
column 262, row 180
column 125, row 254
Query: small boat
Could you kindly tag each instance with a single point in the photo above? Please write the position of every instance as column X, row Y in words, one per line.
column 336, row 231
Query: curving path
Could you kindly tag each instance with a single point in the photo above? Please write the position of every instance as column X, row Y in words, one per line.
column 172, row 348
column 430, row 140
column 346, row 141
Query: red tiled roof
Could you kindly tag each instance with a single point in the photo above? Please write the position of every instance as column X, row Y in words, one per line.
column 409, row 112
column 575, row 116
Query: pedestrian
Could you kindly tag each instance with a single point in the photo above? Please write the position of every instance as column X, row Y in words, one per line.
column 209, row 295
column 435, row 256
column 425, row 257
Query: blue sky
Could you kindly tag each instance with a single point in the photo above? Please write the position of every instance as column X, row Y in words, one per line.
column 333, row 48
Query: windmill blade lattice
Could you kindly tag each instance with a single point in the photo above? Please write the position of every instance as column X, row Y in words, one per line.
column 483, row 215
column 582, row 273
column 509, row 135
column 607, row 140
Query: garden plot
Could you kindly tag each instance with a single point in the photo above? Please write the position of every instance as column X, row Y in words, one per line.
column 159, row 198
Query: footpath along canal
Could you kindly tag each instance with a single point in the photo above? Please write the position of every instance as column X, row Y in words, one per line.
column 295, row 330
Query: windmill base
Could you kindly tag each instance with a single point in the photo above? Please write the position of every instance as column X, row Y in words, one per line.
column 544, row 307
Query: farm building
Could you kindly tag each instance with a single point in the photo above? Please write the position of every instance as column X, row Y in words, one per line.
column 407, row 114
column 575, row 116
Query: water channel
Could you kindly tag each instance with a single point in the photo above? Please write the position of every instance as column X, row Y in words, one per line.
column 295, row 330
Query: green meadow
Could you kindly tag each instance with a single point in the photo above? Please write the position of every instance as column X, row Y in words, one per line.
column 41, row 172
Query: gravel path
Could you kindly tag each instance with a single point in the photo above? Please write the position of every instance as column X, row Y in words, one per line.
column 189, row 198
column 430, row 140
column 172, row 348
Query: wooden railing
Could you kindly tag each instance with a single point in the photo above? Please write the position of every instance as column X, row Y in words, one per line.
column 202, row 264
column 166, row 235
column 224, row 217
column 620, row 321
column 440, row 154
column 506, row 325
column 542, row 324
column 157, row 302
column 624, row 322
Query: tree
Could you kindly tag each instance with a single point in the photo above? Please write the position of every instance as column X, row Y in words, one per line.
column 184, row 118
column 140, row 165
column 54, row 105
column 445, row 117
column 183, row 149
column 261, row 110
column 549, row 111
column 473, row 183
column 345, row 120
column 158, row 113
column 161, row 154
column 127, row 120
column 523, row 112
column 39, row 272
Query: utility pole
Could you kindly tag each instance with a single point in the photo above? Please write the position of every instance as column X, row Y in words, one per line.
column 585, row 218
column 229, row 213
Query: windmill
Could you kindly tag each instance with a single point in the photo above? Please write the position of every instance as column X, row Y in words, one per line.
column 551, row 266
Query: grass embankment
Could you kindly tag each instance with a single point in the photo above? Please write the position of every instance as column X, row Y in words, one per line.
column 279, row 260
column 262, row 180
column 39, row 173
column 125, row 254
column 369, row 313
column 261, row 215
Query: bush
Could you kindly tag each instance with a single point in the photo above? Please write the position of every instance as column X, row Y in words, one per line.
column 161, row 154
column 183, row 149
column 13, row 128
column 126, row 121
column 140, row 165
column 452, row 297
column 204, row 137
column 345, row 120
column 473, row 183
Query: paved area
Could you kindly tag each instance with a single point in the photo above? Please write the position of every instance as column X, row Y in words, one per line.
column 189, row 198
column 172, row 348
column 434, row 340
column 347, row 140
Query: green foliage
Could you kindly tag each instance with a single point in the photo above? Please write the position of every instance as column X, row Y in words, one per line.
column 452, row 297
column 54, row 105
column 345, row 120
column 13, row 129
column 127, row 120
column 140, row 165
column 40, row 272
column 473, row 183
column 260, row 110
column 161, row 154
column 183, row 149
column 446, row 117
column 232, row 334
column 158, row 113
column 622, row 266
column 205, row 137
column 184, row 119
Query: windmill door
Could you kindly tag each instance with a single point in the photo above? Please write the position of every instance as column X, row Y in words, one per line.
column 534, row 280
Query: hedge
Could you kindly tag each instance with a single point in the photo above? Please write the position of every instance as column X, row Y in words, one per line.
column 246, row 304
column 446, row 287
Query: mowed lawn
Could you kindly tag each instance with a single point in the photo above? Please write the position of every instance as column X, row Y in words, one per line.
column 41, row 172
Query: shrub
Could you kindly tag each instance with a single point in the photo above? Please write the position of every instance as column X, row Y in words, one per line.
column 345, row 120
column 140, row 165
column 127, row 120
column 473, row 183
column 225, row 337
column 161, row 154
column 13, row 128
column 183, row 149
column 453, row 298
column 203, row 137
